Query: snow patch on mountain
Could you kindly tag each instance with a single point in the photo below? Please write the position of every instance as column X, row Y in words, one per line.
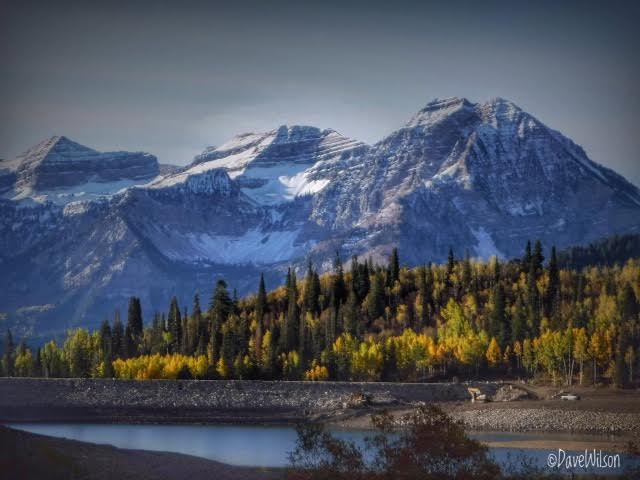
column 90, row 191
column 486, row 247
column 253, row 247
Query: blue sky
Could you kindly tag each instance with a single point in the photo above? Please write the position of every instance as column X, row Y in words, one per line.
column 174, row 77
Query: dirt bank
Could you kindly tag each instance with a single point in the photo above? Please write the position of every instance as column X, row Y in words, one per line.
column 30, row 456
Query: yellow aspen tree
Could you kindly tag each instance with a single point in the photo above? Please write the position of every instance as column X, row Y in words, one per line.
column 494, row 355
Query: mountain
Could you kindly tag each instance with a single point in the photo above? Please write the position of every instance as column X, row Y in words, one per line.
column 60, row 170
column 481, row 178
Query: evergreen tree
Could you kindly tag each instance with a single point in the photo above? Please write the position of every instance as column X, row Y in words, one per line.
column 533, row 303
column 134, row 318
column 174, row 326
column 339, row 288
column 198, row 323
column 394, row 266
column 498, row 325
column 525, row 263
column 466, row 272
column 376, row 299
column 129, row 349
column 352, row 314
column 290, row 333
column 106, row 347
column 537, row 259
column 424, row 296
column 552, row 293
column 448, row 279
column 310, row 301
column 519, row 328
column 117, row 338
column 359, row 278
column 228, row 343
column 261, row 301
column 333, row 320
column 220, row 308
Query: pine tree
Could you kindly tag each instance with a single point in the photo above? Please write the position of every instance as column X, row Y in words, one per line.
column 361, row 282
column 106, row 347
column 498, row 325
column 394, row 266
column 533, row 303
column 525, row 263
column 199, row 337
column 311, row 292
column 220, row 307
column 261, row 301
column 174, row 325
column 134, row 318
column 352, row 314
column 376, row 298
column 519, row 325
column 117, row 338
column 552, row 293
column 451, row 265
column 537, row 259
column 424, row 296
column 466, row 272
column 290, row 334
column 339, row 288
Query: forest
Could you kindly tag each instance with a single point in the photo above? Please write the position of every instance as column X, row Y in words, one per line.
column 528, row 317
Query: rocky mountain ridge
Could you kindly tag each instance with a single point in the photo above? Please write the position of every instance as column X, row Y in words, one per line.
column 483, row 178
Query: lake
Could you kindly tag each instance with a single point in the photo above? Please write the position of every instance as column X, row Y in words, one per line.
column 268, row 446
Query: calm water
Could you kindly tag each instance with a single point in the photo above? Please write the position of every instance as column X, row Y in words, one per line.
column 256, row 445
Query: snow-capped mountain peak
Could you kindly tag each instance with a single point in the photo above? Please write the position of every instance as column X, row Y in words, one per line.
column 483, row 177
column 438, row 110
column 61, row 170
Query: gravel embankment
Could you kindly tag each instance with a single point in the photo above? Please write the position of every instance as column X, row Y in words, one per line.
column 549, row 420
column 345, row 403
column 24, row 399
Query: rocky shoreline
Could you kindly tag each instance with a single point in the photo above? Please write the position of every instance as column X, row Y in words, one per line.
column 549, row 420
column 349, row 404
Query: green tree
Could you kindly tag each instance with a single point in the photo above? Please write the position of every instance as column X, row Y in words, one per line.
column 552, row 293
column 310, row 300
column 376, row 298
column 292, row 321
column 394, row 266
column 134, row 318
column 52, row 360
column 220, row 308
column 174, row 325
column 78, row 353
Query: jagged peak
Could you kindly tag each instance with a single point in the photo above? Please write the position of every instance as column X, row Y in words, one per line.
column 437, row 110
column 207, row 181
column 440, row 103
column 502, row 109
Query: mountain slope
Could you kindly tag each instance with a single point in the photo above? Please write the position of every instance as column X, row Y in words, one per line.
column 60, row 170
column 482, row 178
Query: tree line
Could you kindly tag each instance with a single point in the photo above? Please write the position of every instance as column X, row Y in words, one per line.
column 526, row 317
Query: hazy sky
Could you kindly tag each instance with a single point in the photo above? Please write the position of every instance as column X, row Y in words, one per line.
column 172, row 78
